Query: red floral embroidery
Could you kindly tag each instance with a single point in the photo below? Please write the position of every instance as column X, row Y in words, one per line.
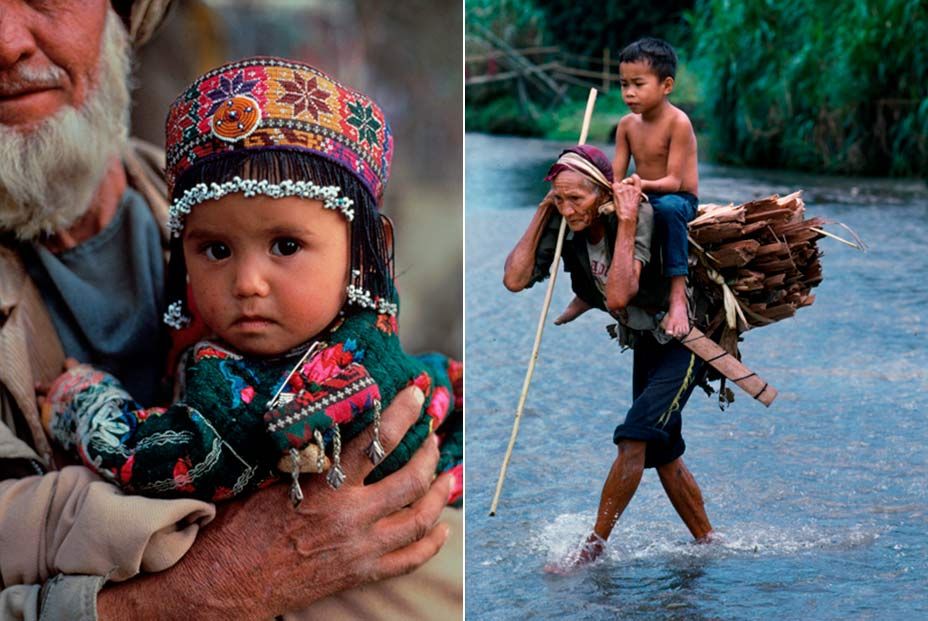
column 387, row 324
column 181, row 478
column 456, row 375
column 457, row 490
column 222, row 493
column 424, row 382
column 304, row 95
column 125, row 473
column 208, row 351
column 326, row 363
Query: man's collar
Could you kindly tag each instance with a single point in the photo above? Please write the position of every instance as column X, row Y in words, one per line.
column 12, row 275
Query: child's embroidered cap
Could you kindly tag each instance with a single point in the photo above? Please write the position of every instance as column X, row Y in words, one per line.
column 261, row 104
column 279, row 128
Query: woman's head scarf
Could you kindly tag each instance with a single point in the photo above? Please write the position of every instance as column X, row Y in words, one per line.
column 592, row 164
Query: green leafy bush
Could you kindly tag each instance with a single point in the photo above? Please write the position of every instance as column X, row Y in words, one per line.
column 821, row 86
column 587, row 26
column 502, row 115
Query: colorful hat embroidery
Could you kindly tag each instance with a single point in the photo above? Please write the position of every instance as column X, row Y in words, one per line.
column 271, row 103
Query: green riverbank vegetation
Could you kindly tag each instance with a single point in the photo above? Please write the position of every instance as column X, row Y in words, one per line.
column 816, row 86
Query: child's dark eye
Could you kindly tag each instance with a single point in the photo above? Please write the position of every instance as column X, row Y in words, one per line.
column 285, row 247
column 216, row 251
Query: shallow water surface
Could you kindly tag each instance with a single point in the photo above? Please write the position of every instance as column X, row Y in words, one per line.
column 821, row 501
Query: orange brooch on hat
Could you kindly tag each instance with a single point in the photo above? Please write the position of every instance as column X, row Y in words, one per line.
column 236, row 119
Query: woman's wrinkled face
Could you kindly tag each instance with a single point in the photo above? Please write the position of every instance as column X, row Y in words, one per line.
column 575, row 199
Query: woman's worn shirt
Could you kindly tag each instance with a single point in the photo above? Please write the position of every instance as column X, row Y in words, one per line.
column 653, row 289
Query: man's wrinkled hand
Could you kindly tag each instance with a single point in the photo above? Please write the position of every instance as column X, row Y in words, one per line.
column 262, row 558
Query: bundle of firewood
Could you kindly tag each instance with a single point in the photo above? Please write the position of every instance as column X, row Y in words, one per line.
column 764, row 253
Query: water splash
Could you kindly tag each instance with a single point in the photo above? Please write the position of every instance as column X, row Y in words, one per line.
column 555, row 540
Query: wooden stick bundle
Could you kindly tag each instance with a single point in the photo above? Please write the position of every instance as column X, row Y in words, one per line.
column 764, row 251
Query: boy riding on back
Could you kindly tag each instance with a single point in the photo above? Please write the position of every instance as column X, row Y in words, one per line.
column 660, row 138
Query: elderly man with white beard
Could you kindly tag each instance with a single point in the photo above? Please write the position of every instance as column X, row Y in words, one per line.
column 81, row 275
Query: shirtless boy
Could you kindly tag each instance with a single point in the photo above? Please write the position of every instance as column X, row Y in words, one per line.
column 659, row 136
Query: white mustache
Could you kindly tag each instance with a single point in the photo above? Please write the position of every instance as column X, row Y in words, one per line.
column 22, row 79
column 49, row 173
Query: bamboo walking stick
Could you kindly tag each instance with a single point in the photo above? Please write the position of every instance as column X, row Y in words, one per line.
column 590, row 102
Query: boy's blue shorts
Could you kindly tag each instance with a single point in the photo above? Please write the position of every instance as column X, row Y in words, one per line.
column 672, row 213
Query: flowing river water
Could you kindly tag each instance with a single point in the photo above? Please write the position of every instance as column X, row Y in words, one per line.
column 821, row 501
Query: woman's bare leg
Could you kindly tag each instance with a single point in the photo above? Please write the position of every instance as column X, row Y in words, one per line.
column 621, row 484
column 686, row 498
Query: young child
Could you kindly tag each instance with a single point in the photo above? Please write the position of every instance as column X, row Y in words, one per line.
column 659, row 136
column 276, row 172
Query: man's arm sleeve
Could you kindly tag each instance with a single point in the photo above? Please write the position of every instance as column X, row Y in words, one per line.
column 63, row 597
column 71, row 522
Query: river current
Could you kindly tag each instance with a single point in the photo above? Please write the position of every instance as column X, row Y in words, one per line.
column 820, row 501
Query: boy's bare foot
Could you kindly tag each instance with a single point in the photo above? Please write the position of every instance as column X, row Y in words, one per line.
column 589, row 551
column 576, row 308
column 676, row 322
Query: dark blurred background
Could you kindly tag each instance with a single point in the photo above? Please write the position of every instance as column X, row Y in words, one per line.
column 408, row 57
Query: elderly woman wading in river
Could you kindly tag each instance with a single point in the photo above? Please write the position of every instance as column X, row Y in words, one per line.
column 608, row 255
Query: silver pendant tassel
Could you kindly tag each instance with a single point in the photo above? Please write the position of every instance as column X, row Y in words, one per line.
column 296, row 492
column 336, row 477
column 375, row 451
column 320, row 457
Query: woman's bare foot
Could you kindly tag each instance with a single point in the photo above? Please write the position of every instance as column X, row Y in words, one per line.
column 710, row 537
column 589, row 551
column 576, row 308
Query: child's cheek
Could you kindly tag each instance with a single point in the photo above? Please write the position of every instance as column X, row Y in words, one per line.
column 208, row 302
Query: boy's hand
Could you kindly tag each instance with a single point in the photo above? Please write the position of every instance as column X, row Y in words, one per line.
column 634, row 180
